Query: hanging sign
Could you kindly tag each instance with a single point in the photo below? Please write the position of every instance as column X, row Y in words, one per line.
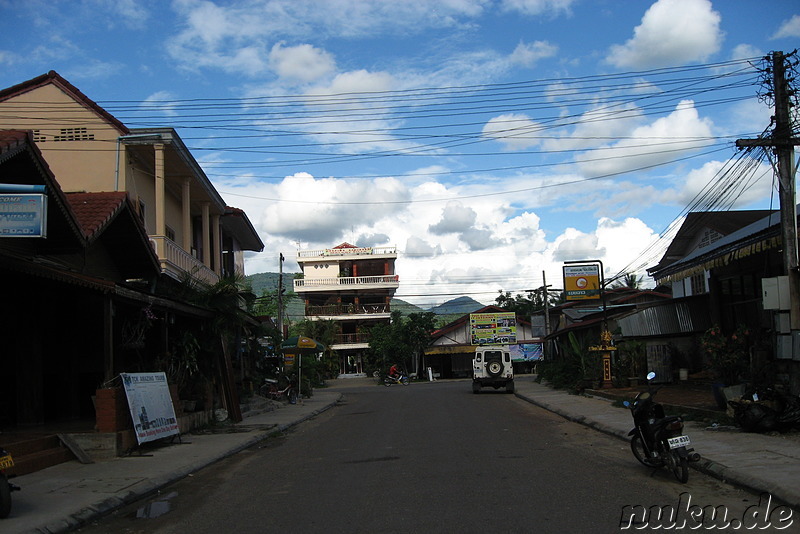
column 23, row 215
column 151, row 406
column 582, row 282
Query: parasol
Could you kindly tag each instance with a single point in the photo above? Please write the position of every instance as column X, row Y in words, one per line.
column 301, row 345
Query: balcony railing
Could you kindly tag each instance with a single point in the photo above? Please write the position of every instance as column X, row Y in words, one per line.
column 175, row 261
column 386, row 281
column 347, row 252
column 348, row 309
column 352, row 339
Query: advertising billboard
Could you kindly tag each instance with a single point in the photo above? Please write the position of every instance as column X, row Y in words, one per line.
column 582, row 282
column 151, row 406
column 493, row 328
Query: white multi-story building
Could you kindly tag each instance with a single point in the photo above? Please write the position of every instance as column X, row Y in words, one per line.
column 352, row 286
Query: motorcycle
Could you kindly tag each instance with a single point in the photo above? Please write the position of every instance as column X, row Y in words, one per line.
column 6, row 487
column 399, row 379
column 658, row 440
column 271, row 390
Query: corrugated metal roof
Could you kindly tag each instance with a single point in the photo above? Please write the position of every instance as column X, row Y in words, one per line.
column 679, row 316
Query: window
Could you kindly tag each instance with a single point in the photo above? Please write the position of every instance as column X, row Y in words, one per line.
column 38, row 137
column 699, row 283
column 170, row 234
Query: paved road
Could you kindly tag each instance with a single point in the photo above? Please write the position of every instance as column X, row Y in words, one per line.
column 430, row 457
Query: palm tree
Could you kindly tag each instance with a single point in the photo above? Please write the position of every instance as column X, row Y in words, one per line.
column 629, row 280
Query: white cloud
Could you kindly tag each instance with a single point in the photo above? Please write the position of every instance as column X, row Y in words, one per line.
column 672, row 32
column 527, row 54
column 659, row 142
column 455, row 218
column 575, row 245
column 304, row 63
column 789, row 28
column 160, row 102
column 538, row 7
column 515, row 130
column 8, row 58
column 744, row 189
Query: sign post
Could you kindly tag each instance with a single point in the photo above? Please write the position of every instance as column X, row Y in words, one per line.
column 583, row 280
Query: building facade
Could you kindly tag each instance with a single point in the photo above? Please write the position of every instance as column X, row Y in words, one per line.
column 353, row 287
column 131, row 216
column 89, row 150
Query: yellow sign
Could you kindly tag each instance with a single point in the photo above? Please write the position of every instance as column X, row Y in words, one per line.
column 582, row 282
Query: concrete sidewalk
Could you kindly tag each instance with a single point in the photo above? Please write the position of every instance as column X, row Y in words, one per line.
column 66, row 496
column 759, row 462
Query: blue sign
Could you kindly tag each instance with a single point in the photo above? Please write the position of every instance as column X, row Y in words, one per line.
column 23, row 215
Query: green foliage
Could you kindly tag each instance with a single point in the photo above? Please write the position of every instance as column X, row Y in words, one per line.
column 729, row 356
column 574, row 365
column 632, row 358
column 629, row 280
column 530, row 303
column 324, row 332
column 400, row 341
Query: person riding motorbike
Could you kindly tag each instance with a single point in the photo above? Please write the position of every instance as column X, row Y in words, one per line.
column 394, row 371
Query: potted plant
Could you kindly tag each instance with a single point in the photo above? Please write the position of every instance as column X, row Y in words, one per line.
column 635, row 354
column 728, row 357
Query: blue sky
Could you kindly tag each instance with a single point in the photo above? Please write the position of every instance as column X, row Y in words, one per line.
column 489, row 140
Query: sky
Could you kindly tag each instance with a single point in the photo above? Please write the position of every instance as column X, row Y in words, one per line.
column 489, row 141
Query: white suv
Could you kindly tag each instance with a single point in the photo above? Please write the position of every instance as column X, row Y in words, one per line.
column 491, row 366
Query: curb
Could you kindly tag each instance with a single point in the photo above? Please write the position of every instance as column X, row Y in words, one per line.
column 149, row 487
column 705, row 465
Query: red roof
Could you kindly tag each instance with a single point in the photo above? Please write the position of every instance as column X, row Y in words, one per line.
column 95, row 210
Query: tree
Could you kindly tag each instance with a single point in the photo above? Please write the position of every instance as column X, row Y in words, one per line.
column 327, row 366
column 402, row 340
column 528, row 304
column 629, row 280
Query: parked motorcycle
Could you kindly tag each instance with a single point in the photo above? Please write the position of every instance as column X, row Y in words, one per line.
column 6, row 487
column 658, row 440
column 271, row 390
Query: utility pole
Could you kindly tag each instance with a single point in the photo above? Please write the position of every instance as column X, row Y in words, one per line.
column 546, row 315
column 280, row 295
column 783, row 145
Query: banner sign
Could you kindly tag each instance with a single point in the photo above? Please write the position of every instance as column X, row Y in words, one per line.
column 526, row 352
column 23, row 215
column 582, row 282
column 493, row 328
column 151, row 405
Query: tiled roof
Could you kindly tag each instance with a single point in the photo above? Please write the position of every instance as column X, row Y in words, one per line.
column 11, row 141
column 95, row 210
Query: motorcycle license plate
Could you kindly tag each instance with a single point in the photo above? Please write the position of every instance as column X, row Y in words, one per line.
column 6, row 462
column 680, row 441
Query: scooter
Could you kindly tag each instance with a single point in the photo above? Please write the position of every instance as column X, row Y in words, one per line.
column 658, row 440
column 6, row 487
column 399, row 379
